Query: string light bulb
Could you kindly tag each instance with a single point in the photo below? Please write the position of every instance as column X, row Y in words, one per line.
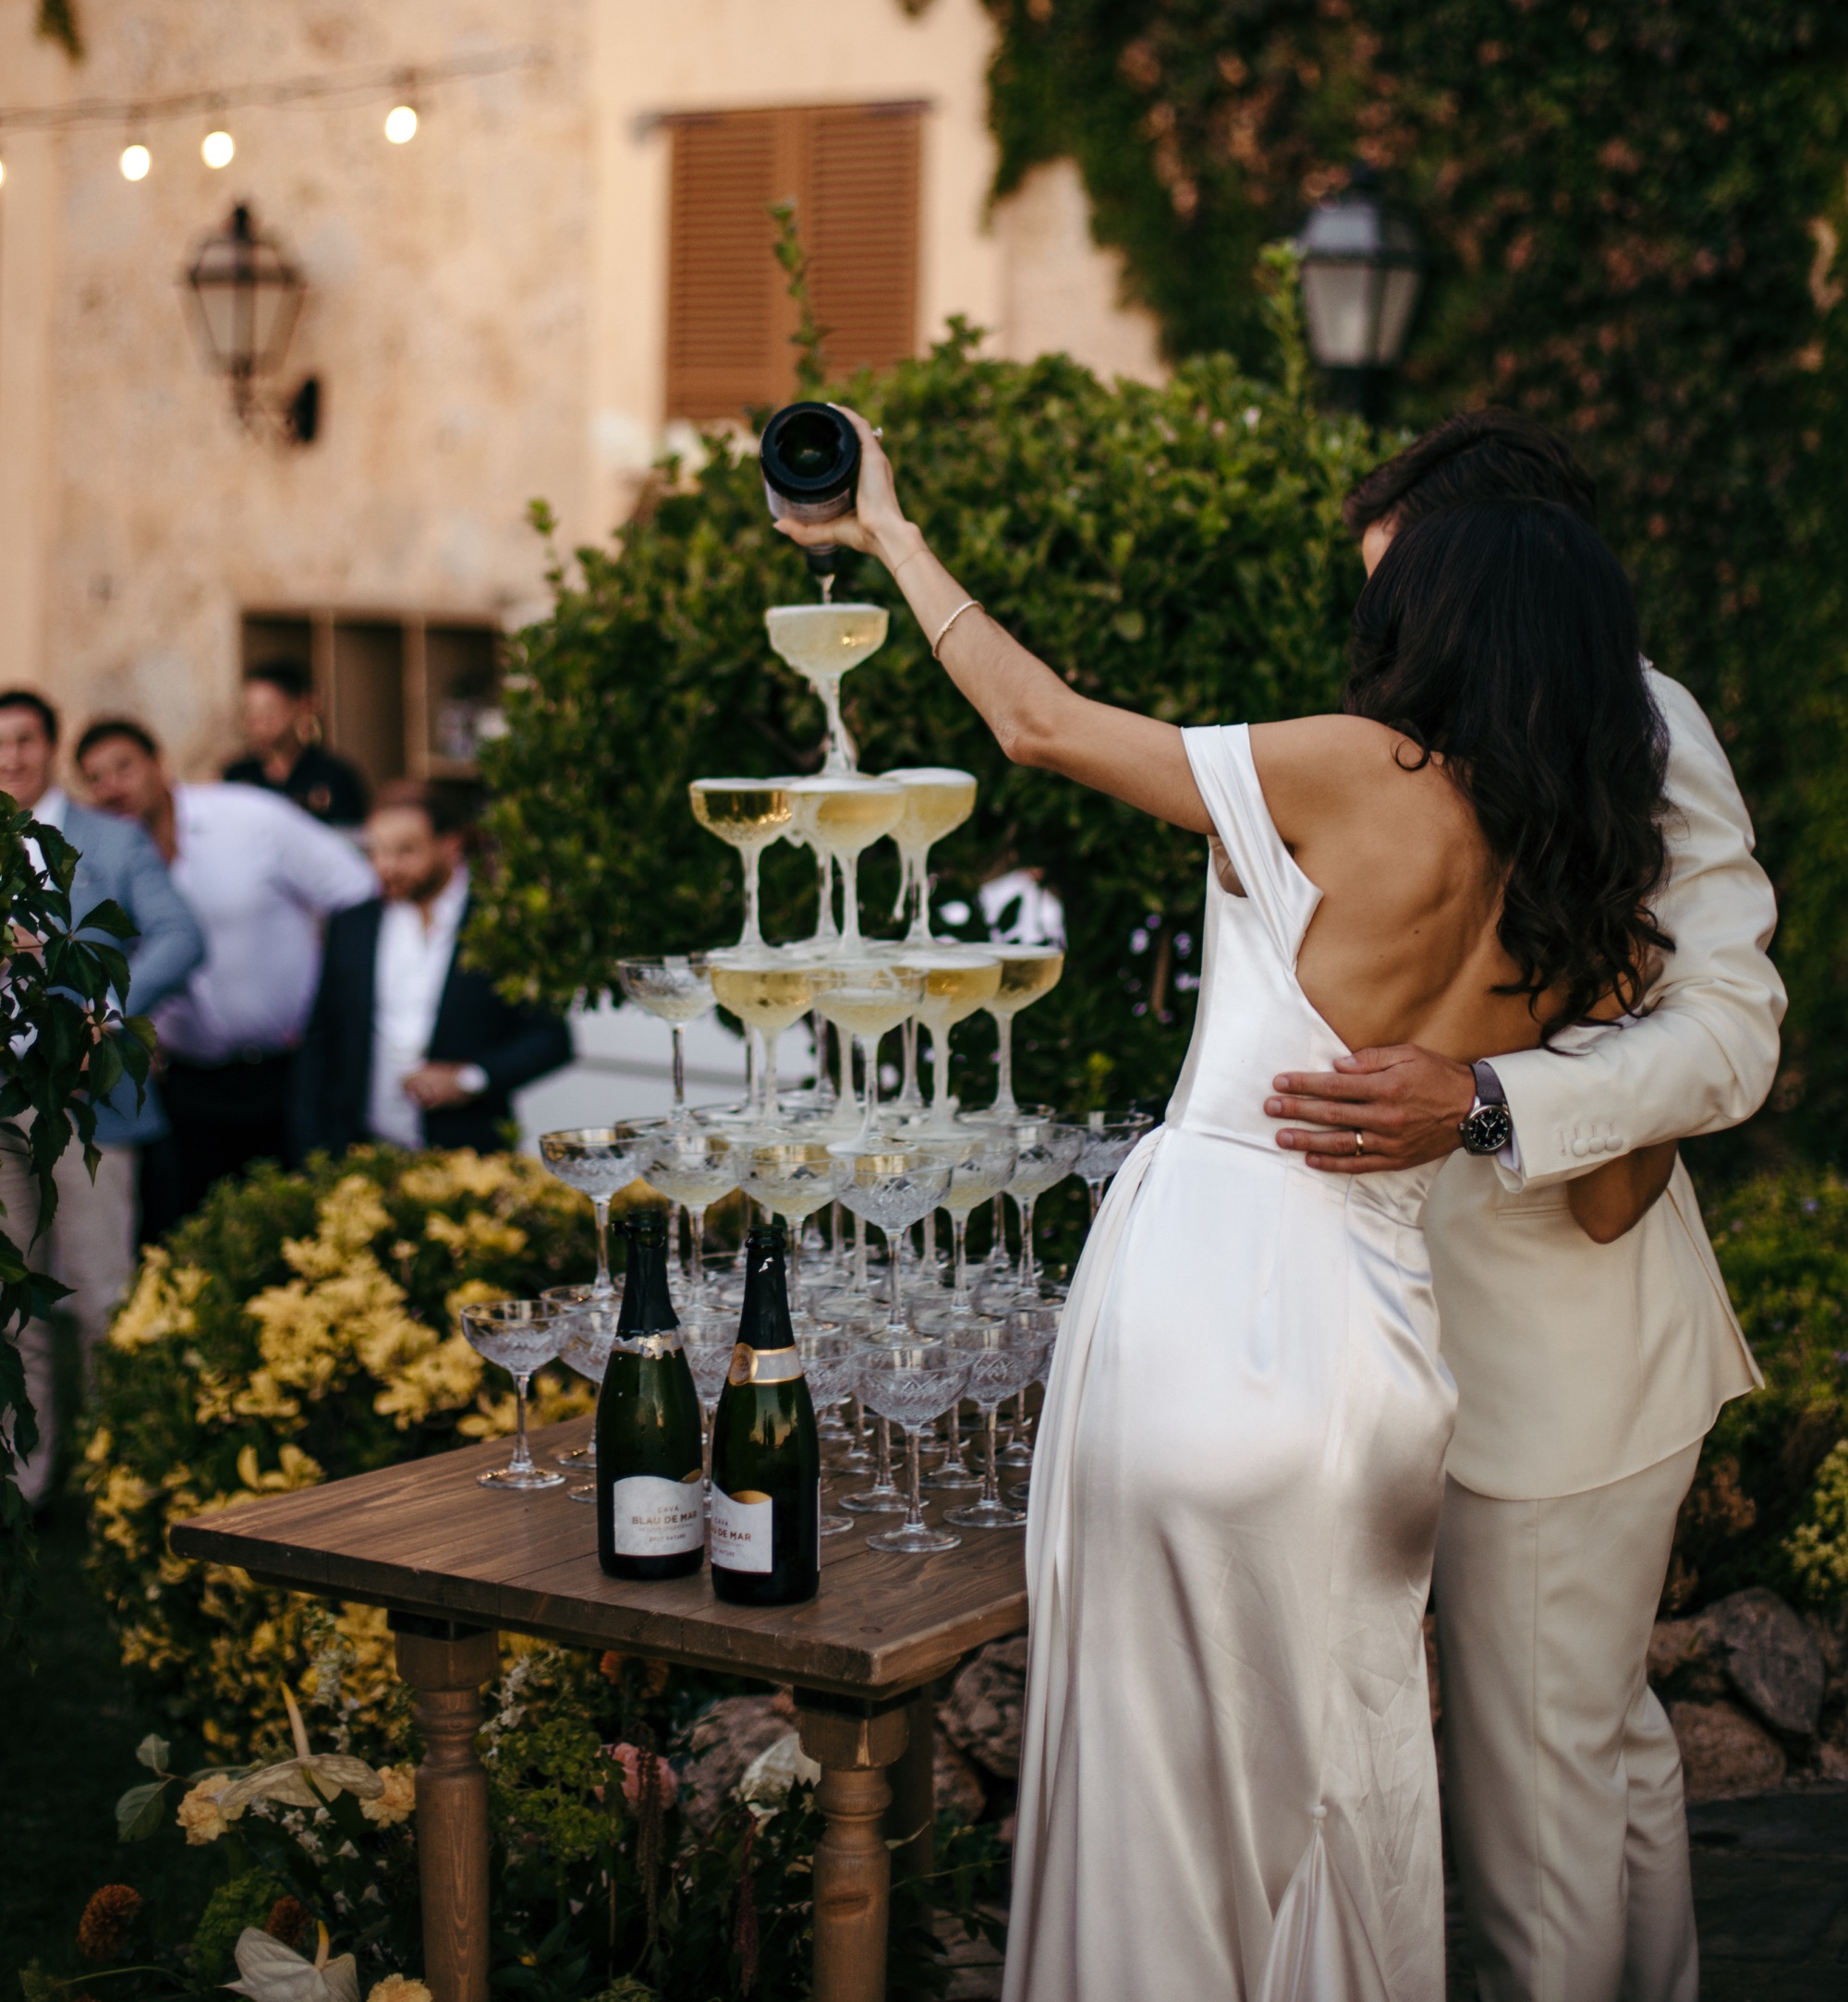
column 217, row 149
column 135, row 162
column 400, row 125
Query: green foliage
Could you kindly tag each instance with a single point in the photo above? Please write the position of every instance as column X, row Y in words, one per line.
column 1175, row 548
column 1818, row 1548
column 301, row 1327
column 58, row 993
column 1782, row 1244
column 245, row 1900
column 1635, row 212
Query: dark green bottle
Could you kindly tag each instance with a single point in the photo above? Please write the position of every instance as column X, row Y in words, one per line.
column 650, row 1504
column 766, row 1457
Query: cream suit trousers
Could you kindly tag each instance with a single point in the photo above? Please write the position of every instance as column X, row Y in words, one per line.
column 1561, row 1775
column 89, row 1248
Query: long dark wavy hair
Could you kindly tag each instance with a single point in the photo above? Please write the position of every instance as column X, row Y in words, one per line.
column 1503, row 639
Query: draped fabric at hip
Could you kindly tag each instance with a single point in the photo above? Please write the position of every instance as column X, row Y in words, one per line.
column 1228, row 1786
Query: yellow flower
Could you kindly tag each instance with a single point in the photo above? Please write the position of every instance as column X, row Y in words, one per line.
column 472, row 1293
column 200, row 1812
column 399, row 1988
column 160, row 1304
column 393, row 1805
column 479, row 1237
column 295, row 1471
column 444, row 1378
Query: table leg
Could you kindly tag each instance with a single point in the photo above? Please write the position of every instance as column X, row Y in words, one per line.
column 911, row 1820
column 446, row 1665
column 853, row 1744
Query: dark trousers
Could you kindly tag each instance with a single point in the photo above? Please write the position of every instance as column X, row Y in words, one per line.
column 223, row 1116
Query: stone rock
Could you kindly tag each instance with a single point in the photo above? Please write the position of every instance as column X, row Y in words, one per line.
column 1724, row 1751
column 981, row 1714
column 956, row 1782
column 1772, row 1659
column 1683, row 1655
column 726, row 1741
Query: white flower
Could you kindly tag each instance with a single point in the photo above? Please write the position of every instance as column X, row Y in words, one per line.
column 273, row 1972
column 288, row 1780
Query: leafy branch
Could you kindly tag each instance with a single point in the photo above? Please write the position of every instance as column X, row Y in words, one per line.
column 811, row 336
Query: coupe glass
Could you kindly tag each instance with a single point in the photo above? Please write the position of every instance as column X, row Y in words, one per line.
column 793, row 1177
column 676, row 990
column 1004, row 1359
column 707, row 1346
column 769, row 992
column 1028, row 973
column 893, row 1181
column 937, row 801
column 839, row 814
column 589, row 1335
column 1107, row 1141
column 1043, row 1323
column 747, row 814
column 958, row 979
column 866, row 999
column 913, row 1384
column 601, row 1161
column 522, row 1336
column 829, row 1361
column 566, row 1301
column 1046, row 1151
column 939, row 1323
column 981, row 1160
column 821, row 643
column 691, row 1163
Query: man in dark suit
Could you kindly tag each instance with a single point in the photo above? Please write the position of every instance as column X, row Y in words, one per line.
column 404, row 1044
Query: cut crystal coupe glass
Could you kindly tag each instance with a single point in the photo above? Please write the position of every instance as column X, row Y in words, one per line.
column 522, row 1336
column 600, row 1161
column 675, row 989
column 912, row 1385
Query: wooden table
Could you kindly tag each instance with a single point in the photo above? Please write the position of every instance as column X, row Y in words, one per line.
column 455, row 1563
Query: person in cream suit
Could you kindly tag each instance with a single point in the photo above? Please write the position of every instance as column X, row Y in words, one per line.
column 1589, row 1364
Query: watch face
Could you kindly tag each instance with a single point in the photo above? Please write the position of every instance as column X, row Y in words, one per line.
column 1488, row 1130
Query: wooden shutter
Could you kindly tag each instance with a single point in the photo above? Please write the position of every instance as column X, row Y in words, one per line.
column 853, row 174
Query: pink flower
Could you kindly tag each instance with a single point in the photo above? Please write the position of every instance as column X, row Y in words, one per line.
column 630, row 1757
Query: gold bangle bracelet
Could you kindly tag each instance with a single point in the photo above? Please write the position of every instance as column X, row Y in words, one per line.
column 968, row 605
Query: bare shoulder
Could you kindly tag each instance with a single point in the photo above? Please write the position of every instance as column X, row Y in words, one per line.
column 1317, row 768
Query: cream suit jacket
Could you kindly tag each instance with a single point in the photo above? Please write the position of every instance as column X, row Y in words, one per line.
column 1578, row 1363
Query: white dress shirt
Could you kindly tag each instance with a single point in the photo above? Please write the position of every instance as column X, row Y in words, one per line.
column 409, row 976
column 260, row 876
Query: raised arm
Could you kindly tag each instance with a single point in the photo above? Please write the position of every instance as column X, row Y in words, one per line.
column 1036, row 719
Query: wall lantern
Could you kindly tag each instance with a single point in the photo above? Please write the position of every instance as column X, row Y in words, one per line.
column 1363, row 269
column 246, row 298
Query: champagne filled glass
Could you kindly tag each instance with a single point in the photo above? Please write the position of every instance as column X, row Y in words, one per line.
column 938, row 800
column 769, row 992
column 601, row 1161
column 868, row 999
column 676, row 990
column 522, row 1336
column 747, row 814
column 821, row 643
column 981, row 1162
column 894, row 1183
column 1004, row 1359
column 841, row 814
column 1028, row 973
column 792, row 1177
column 913, row 1384
column 1046, row 1151
column 1109, row 1139
column 958, row 979
column 828, row 1361
column 691, row 1163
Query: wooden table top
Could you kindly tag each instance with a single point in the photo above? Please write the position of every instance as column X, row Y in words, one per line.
column 425, row 1538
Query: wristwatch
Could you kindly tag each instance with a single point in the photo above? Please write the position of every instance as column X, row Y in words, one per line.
column 1488, row 1125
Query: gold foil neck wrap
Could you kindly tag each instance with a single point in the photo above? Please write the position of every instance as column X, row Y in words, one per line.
column 763, row 1365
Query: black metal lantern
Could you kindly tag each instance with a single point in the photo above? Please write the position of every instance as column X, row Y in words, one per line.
column 246, row 296
column 1363, row 269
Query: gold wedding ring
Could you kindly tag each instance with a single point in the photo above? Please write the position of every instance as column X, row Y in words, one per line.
column 1359, row 1141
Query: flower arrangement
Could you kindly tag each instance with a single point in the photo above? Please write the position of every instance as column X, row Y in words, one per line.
column 301, row 1328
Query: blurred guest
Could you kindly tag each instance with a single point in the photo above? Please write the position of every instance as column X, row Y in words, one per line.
column 405, row 1044
column 262, row 875
column 90, row 1245
column 282, row 730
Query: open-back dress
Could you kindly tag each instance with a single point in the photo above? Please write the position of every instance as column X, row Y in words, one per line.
column 1228, row 1782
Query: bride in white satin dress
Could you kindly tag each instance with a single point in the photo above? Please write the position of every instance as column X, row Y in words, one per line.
column 1228, row 1785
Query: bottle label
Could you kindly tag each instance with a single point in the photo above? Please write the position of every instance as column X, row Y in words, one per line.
column 654, row 1517
column 763, row 1365
column 741, row 1530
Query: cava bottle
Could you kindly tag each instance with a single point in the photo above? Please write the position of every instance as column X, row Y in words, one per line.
column 766, row 1457
column 650, row 1511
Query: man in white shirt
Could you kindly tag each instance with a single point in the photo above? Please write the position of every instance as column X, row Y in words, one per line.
column 262, row 877
column 405, row 1044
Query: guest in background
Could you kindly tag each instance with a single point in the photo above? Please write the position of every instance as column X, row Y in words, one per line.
column 90, row 1245
column 406, row 1044
column 262, row 876
column 282, row 730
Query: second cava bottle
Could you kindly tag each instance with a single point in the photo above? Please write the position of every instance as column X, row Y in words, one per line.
column 650, row 1511
column 766, row 1527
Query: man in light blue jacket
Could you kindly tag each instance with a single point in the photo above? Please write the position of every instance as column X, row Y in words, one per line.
column 90, row 1245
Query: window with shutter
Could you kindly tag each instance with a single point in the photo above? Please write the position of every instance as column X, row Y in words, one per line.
column 853, row 174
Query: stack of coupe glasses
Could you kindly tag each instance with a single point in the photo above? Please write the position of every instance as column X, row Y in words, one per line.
column 889, row 1327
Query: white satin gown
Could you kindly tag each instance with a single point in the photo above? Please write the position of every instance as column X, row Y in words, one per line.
column 1228, row 1783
